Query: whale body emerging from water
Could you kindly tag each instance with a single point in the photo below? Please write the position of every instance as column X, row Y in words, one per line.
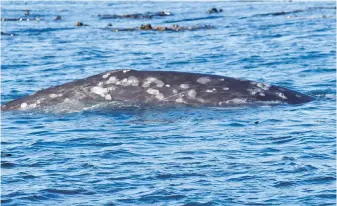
column 159, row 87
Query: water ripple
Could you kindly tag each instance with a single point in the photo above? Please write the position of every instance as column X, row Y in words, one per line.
column 268, row 155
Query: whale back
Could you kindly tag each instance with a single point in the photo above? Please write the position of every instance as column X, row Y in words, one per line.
column 160, row 87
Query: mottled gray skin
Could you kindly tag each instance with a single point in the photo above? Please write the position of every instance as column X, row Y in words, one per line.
column 160, row 87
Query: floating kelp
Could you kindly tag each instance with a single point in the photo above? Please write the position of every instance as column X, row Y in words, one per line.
column 214, row 10
column 175, row 27
column 81, row 24
column 57, row 18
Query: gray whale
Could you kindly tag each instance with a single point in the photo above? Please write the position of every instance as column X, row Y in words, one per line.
column 159, row 87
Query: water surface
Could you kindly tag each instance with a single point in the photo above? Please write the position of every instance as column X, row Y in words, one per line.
column 280, row 155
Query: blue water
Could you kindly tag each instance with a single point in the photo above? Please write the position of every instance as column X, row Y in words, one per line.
column 280, row 155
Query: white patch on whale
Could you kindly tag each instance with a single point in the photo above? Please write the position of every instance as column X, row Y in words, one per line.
column 27, row 106
column 263, row 86
column 112, row 80
column 108, row 97
column 111, row 88
column 149, row 80
column 281, row 95
column 100, row 91
column 105, row 75
column 201, row 100
column 53, row 95
column 156, row 92
column 184, row 86
column 133, row 81
column 254, row 91
column 192, row 94
column 236, row 101
column 180, row 100
column 152, row 91
column 203, row 80
column 23, row 105
column 124, row 81
column 160, row 96
column 225, row 88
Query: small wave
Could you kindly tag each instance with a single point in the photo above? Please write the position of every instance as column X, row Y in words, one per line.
column 305, row 168
column 281, row 13
column 269, row 150
column 5, row 201
column 199, row 203
column 193, row 19
column 34, row 198
column 122, row 177
column 286, row 158
column 154, row 196
column 331, row 196
column 7, row 165
column 320, row 180
column 283, row 140
column 110, row 154
column 317, row 156
column 236, row 125
column 329, row 94
column 5, row 154
column 87, row 166
column 242, row 178
column 323, row 7
column 284, row 184
column 133, row 163
column 67, row 191
column 32, row 31
column 175, row 176
column 39, row 133
column 29, row 177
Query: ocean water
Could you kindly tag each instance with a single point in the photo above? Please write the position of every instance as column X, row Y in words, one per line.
column 279, row 155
